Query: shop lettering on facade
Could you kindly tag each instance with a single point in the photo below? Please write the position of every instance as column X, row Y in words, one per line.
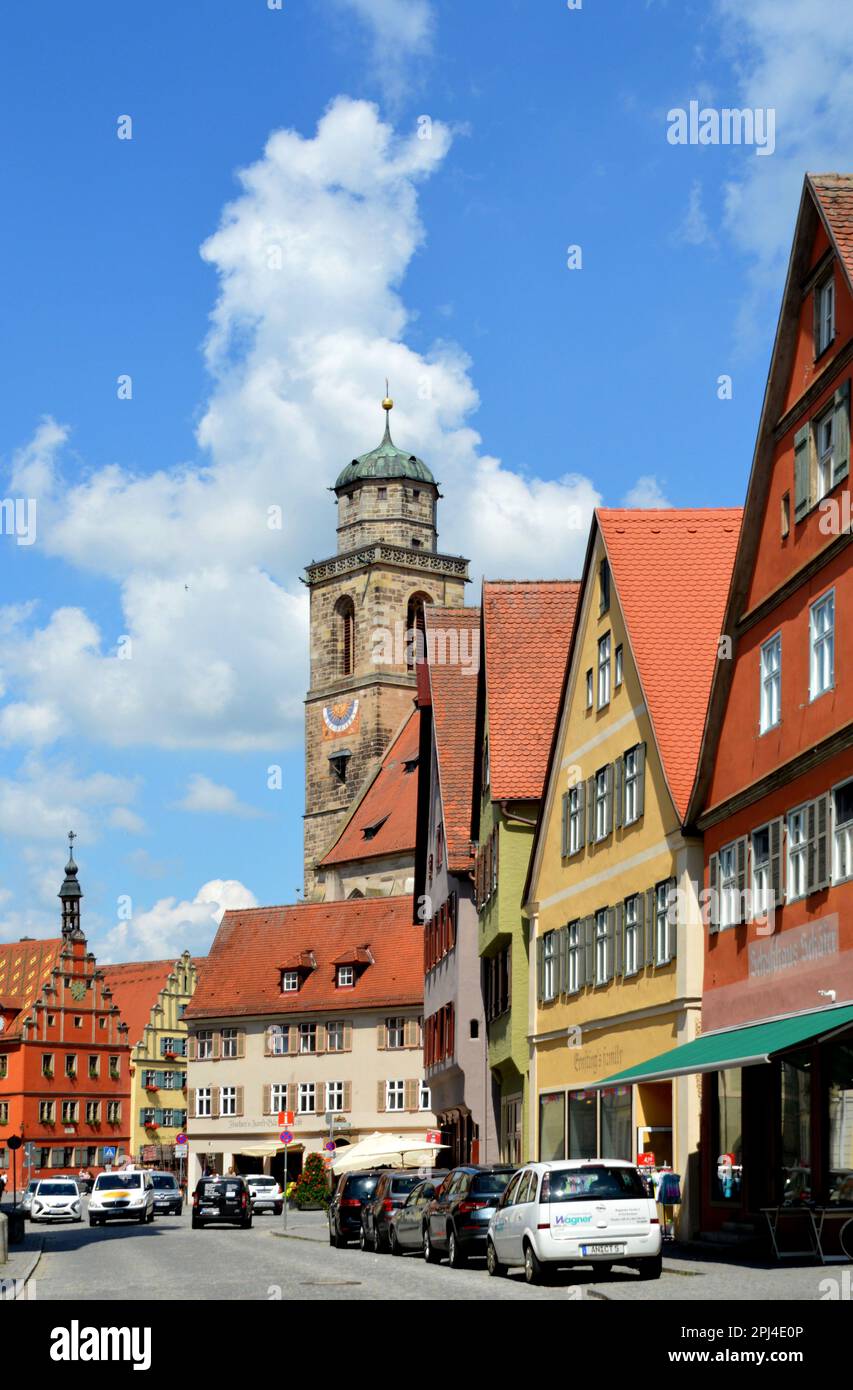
column 800, row 947
column 603, row 1058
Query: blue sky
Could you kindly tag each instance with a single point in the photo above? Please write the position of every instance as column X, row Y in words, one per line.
column 534, row 391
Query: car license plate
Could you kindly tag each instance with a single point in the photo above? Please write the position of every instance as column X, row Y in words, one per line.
column 209, row 1211
column 614, row 1248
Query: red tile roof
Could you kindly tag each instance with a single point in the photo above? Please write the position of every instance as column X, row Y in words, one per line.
column 671, row 570
column 834, row 193
column 135, row 988
column 242, row 973
column 390, row 801
column 24, row 967
column 527, row 629
column 453, row 694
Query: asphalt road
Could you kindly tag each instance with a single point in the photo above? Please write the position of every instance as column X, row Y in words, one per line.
column 168, row 1260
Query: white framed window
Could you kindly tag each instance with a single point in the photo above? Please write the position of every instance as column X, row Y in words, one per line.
column 395, row 1092
column 824, row 449
column 589, row 689
column 549, row 953
column 114, row 1112
column 289, row 981
column 798, row 846
column 228, row 1100
column 601, row 947
column 631, row 785
column 424, row 1098
column 617, row 666
column 842, row 838
column 631, row 961
column 575, row 819
column 69, row 1112
column 306, row 1097
column 601, row 817
column 204, row 1045
column 395, row 1032
column 93, row 1112
column 334, row 1096
column 729, row 906
column 278, row 1097
column 762, row 882
column 574, row 956
column 168, row 1081
column 771, row 682
column 307, row 1037
column 825, row 316
column 229, row 1042
column 278, row 1040
column 335, row 1036
column 822, row 636
column 604, row 670
column 203, row 1102
column 346, row 975
column 664, row 928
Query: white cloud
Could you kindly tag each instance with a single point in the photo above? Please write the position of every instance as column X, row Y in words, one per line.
column 170, row 927
column 46, row 800
column 694, row 228
column 647, row 493
column 401, row 31
column 206, row 796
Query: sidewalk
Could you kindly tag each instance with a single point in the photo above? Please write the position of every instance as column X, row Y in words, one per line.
column 21, row 1263
column 304, row 1225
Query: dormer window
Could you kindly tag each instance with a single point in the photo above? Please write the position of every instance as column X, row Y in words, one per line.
column 824, row 320
column 409, row 765
column 345, row 976
column 370, row 832
column 289, row 981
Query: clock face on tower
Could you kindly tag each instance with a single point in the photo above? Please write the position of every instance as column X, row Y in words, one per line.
column 78, row 989
column 340, row 718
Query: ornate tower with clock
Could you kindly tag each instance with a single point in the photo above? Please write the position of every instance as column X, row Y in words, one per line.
column 367, row 603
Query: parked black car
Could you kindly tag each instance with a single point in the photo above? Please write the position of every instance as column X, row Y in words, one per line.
column 391, row 1192
column 457, row 1220
column 222, row 1199
column 406, row 1226
column 351, row 1193
column 167, row 1194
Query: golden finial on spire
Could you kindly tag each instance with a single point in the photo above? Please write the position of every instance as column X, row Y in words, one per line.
column 387, row 404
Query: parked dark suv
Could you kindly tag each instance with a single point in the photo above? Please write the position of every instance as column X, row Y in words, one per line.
column 351, row 1193
column 457, row 1219
column 391, row 1192
column 222, row 1199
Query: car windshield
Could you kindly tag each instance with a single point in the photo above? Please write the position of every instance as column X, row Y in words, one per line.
column 489, row 1184
column 114, row 1182
column 596, row 1183
column 362, row 1186
column 400, row 1185
column 262, row 1182
column 57, row 1189
column 163, row 1180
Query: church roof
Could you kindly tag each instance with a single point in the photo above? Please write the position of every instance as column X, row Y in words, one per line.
column 385, row 461
column 384, row 821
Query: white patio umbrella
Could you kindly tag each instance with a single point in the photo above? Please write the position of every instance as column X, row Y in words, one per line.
column 388, row 1151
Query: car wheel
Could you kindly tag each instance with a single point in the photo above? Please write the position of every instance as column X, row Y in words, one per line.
column 493, row 1264
column 196, row 1224
column 142, row 1218
column 362, row 1239
column 533, row 1271
column 455, row 1253
column 277, row 1209
column 179, row 1211
column 651, row 1267
column 431, row 1255
column 396, row 1247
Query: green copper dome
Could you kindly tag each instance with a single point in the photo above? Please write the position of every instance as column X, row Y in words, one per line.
column 385, row 461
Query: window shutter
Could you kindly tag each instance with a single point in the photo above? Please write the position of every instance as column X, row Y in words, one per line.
column 619, row 964
column 267, row 1101
column 410, row 1096
column 191, row 1103
column 292, row 1096
column 452, row 919
column 320, row 1098
column 617, row 799
column 193, row 1052
column 217, row 1046
column 214, row 1102
column 714, row 891
column 589, row 950
column 411, row 1033
column 581, row 814
column 564, row 849
column 672, row 926
column 380, row 1096
column 347, row 1035
column 841, row 433
column 292, row 1043
column 610, row 935
column 818, row 851
column 740, row 850
column 641, row 779
column 241, row 1042
column 562, row 965
column 649, row 943
column 321, row 1037
column 381, row 1035
column 347, row 1101
column 590, row 803
column 802, row 460
column 540, row 969
column 777, row 886
column 239, row 1110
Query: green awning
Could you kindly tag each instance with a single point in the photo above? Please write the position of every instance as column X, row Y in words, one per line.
column 735, row 1047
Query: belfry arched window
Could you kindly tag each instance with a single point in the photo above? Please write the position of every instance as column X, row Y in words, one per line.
column 345, row 616
column 415, row 630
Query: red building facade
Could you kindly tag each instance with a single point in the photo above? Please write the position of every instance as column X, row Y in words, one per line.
column 774, row 796
column 64, row 1053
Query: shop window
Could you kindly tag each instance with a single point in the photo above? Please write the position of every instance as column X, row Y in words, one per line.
column 552, row 1127
column 616, row 1123
column 840, row 1096
column 795, row 1090
column 728, row 1135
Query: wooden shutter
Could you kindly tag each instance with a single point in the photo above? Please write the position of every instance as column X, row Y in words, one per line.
column 382, row 1035
column 380, row 1096
column 241, row 1042
column 411, row 1033
column 267, row 1101
column 239, row 1109
column 292, row 1043
column 641, row 779
column 564, row 847
column 319, row 1097
column 214, row 1102
column 452, row 918
column 191, row 1103
column 619, row 962
column 410, row 1095
column 589, row 950
column 649, row 935
column 740, row 860
column 451, row 1034
column 540, row 969
column 818, row 847
column 581, row 790
column 714, row 891
column 321, row 1037
column 347, row 1035
column 562, row 962
column 193, row 1052
column 841, row 433
column 610, row 938
column 347, row 1097
column 777, row 885
column 292, row 1097
column 217, row 1046
column 802, row 471
column 618, row 793
column 590, row 804
column 608, row 798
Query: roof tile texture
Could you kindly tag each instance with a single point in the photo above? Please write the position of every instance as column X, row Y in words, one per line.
column 393, row 794
column 135, row 988
column 835, row 195
column 453, row 691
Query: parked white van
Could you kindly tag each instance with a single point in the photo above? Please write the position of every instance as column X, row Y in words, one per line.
column 579, row 1211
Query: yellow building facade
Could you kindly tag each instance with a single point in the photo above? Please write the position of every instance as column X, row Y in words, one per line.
column 612, row 895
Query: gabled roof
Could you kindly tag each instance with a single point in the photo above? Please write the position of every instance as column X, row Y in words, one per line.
column 453, row 696
column 671, row 570
column 527, row 627
column 24, row 967
column 136, row 986
column 826, row 199
column 387, row 809
column 242, row 973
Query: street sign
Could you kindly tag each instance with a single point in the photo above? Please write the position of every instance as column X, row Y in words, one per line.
column 286, row 1137
column 109, row 1155
column 330, row 1146
column 180, row 1138
column 285, row 1117
column 14, row 1141
column 433, row 1136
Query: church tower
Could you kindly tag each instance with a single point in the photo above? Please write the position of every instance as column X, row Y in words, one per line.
column 366, row 602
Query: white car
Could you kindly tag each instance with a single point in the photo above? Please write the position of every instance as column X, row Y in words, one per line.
column 265, row 1193
column 55, row 1199
column 578, row 1211
column 122, row 1196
